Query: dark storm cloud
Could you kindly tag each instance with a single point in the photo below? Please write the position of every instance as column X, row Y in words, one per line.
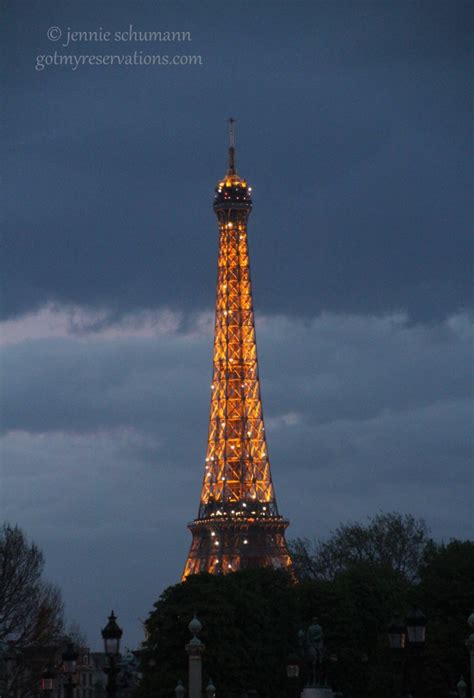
column 350, row 376
column 353, row 129
column 337, row 367
column 362, row 413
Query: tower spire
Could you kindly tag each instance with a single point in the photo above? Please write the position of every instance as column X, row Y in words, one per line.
column 231, row 169
column 238, row 523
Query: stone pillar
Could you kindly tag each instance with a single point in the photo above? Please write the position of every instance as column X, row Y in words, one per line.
column 317, row 693
column 195, row 648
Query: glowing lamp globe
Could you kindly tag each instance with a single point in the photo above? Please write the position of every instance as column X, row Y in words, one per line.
column 112, row 634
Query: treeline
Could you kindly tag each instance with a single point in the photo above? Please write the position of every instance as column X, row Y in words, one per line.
column 32, row 624
column 355, row 583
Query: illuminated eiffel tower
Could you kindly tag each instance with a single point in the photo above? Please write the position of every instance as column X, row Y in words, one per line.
column 238, row 524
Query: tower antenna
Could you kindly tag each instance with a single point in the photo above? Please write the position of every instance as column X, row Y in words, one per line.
column 231, row 146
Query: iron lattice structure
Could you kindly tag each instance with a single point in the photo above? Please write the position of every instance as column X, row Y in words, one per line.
column 238, row 524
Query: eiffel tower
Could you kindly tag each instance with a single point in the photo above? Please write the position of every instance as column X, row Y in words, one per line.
column 238, row 524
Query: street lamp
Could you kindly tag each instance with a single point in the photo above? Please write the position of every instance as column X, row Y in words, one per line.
column 407, row 654
column 461, row 688
column 47, row 681
column 416, row 627
column 4, row 667
column 111, row 635
column 396, row 634
column 416, row 633
column 69, row 659
column 470, row 647
column 292, row 675
column 292, row 666
column 180, row 690
column 210, row 690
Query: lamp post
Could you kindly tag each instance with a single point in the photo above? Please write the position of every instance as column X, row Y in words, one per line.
column 416, row 627
column 3, row 668
column 461, row 688
column 180, row 690
column 396, row 634
column 69, row 659
column 396, row 641
column 111, row 635
column 406, row 640
column 47, row 681
column 416, row 634
column 13, row 661
column 470, row 647
column 210, row 690
column 292, row 675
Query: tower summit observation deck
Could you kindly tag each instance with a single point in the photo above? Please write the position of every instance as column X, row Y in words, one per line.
column 238, row 524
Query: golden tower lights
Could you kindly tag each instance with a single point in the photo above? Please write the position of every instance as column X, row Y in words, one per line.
column 238, row 524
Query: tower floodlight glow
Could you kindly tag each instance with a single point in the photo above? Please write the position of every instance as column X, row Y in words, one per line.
column 238, row 524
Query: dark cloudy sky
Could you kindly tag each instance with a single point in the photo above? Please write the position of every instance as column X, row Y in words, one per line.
column 353, row 129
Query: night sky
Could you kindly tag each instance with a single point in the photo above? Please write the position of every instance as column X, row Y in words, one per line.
column 353, row 129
